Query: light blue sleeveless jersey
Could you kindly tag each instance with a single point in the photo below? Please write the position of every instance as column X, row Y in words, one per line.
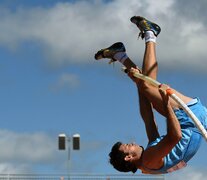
column 188, row 145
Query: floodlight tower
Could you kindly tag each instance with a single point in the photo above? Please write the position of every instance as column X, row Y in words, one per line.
column 64, row 141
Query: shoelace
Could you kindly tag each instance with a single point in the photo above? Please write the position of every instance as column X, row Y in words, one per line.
column 141, row 34
column 112, row 61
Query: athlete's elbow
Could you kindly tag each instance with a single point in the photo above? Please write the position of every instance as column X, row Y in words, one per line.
column 179, row 134
column 179, row 137
column 175, row 137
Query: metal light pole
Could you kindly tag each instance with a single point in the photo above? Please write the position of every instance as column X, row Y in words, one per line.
column 62, row 139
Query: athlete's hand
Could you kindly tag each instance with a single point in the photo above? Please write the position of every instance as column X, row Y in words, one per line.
column 162, row 90
column 131, row 74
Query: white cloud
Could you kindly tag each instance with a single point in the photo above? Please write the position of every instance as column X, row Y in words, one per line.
column 188, row 173
column 73, row 32
column 26, row 147
column 65, row 81
column 9, row 168
column 22, row 153
column 161, row 7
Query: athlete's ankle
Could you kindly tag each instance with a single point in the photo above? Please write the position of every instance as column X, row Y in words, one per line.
column 121, row 57
column 149, row 37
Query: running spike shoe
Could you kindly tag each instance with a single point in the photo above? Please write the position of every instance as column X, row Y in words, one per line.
column 110, row 51
column 145, row 25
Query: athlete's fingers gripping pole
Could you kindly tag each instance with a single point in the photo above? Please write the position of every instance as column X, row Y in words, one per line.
column 170, row 92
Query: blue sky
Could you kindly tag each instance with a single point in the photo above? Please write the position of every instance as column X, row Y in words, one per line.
column 51, row 84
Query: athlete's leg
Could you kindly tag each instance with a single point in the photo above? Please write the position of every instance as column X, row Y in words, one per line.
column 149, row 66
column 149, row 32
column 117, row 52
column 147, row 92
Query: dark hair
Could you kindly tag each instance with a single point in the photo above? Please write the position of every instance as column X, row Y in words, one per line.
column 117, row 159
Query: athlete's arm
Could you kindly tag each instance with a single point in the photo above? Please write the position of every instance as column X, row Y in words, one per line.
column 153, row 156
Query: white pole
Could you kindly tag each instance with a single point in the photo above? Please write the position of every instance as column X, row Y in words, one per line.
column 177, row 100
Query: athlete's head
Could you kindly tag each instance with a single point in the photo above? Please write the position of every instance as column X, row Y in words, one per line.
column 124, row 157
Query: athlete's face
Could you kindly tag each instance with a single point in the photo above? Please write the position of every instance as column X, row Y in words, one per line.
column 130, row 148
